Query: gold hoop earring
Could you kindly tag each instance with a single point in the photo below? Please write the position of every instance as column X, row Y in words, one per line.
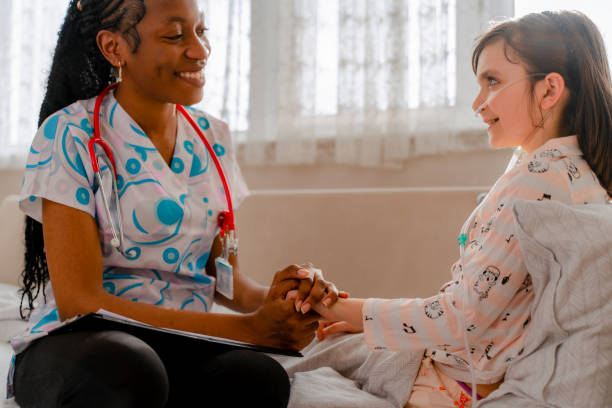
column 118, row 73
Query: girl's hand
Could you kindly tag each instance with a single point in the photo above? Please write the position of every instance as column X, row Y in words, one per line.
column 314, row 290
column 327, row 328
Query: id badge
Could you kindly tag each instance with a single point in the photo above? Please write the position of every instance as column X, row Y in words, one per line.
column 225, row 277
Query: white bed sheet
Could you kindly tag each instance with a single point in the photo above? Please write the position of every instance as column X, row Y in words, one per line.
column 10, row 325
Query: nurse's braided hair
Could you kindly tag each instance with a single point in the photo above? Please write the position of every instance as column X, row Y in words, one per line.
column 78, row 71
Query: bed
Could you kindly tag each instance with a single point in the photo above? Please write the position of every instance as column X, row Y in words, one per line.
column 568, row 356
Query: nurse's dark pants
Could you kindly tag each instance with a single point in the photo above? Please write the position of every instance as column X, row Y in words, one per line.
column 115, row 369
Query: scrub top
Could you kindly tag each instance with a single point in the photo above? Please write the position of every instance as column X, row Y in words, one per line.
column 169, row 212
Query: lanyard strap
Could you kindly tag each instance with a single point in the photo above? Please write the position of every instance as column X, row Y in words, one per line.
column 226, row 218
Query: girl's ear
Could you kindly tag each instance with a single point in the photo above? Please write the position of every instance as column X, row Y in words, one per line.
column 553, row 88
column 110, row 44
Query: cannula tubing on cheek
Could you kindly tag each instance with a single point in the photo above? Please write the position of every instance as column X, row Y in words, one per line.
column 493, row 94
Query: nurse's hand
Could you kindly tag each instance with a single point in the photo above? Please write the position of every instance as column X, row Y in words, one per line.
column 276, row 322
column 313, row 289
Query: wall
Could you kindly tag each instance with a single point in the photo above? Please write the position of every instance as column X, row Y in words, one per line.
column 458, row 169
column 373, row 243
column 10, row 182
column 375, row 232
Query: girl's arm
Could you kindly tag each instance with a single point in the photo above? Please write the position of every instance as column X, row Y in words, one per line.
column 74, row 259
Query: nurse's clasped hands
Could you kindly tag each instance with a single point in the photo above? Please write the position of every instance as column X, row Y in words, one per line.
column 278, row 322
column 313, row 290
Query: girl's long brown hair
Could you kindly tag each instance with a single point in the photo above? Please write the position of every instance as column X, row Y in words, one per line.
column 568, row 43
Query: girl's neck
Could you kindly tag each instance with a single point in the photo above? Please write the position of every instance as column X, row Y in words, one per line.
column 551, row 128
column 538, row 139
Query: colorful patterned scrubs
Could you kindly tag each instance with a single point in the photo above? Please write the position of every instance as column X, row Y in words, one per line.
column 169, row 212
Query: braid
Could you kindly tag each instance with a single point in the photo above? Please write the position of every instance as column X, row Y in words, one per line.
column 78, row 71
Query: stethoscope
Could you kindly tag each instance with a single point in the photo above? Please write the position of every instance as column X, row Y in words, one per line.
column 226, row 218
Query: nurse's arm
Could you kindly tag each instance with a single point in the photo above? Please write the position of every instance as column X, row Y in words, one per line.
column 249, row 295
column 74, row 259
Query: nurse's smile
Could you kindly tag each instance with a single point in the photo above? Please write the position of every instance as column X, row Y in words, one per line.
column 195, row 78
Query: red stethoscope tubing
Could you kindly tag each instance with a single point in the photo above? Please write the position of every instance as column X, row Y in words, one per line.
column 226, row 218
column 96, row 139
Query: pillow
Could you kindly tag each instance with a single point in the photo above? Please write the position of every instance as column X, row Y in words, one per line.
column 10, row 320
column 567, row 359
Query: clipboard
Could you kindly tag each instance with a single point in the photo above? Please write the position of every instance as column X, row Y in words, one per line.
column 104, row 321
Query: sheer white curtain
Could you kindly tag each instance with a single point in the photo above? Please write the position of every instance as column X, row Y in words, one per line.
column 367, row 82
column 394, row 60
column 29, row 31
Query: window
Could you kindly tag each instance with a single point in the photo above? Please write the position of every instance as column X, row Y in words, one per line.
column 28, row 29
column 371, row 82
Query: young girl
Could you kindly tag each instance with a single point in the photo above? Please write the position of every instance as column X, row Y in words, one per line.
column 545, row 87
column 161, row 266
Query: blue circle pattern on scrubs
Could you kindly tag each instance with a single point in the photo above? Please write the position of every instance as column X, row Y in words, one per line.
column 177, row 165
column 204, row 123
column 132, row 166
column 169, row 212
column 219, row 150
column 82, row 196
column 171, row 255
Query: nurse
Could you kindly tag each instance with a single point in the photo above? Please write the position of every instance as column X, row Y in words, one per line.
column 170, row 195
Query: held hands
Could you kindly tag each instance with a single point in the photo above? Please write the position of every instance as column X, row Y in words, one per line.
column 276, row 323
column 313, row 290
column 319, row 295
column 330, row 323
column 288, row 317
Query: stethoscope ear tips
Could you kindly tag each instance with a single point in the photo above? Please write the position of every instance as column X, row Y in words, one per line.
column 115, row 242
